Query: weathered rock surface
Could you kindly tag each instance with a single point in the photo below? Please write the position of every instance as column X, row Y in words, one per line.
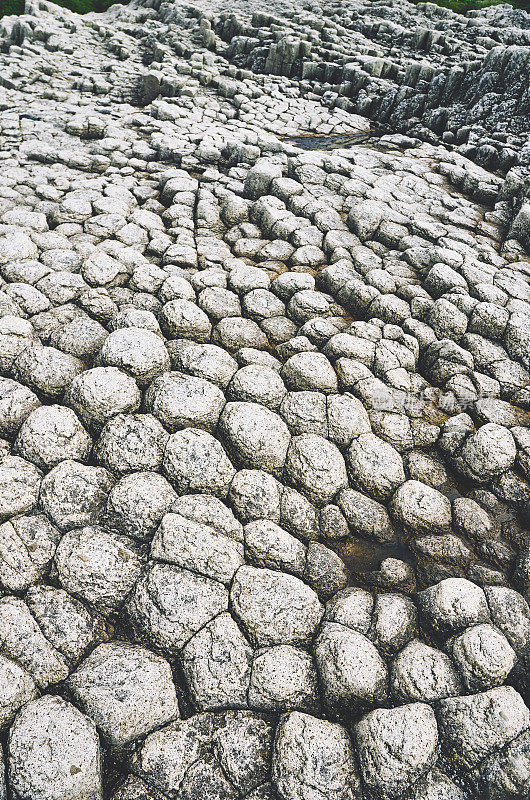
column 264, row 402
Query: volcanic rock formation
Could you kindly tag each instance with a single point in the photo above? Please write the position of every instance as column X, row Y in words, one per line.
column 265, row 402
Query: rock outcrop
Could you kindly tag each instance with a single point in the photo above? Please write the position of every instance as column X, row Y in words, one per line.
column 264, row 402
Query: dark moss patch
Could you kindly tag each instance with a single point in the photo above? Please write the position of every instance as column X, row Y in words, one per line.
column 79, row 6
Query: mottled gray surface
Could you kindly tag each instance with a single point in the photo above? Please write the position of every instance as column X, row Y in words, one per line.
column 264, row 402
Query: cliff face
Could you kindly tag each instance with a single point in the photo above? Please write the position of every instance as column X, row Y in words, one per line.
column 264, row 402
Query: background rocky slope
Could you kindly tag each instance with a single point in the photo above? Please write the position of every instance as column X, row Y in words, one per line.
column 264, row 407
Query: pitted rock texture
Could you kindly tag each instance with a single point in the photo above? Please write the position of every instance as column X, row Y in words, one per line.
column 264, row 402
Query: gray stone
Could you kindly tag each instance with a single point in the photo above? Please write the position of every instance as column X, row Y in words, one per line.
column 169, row 605
column 54, row 753
column 130, row 443
column 511, row 614
column 182, row 319
column 397, row 746
column 313, row 759
column 165, row 755
column 242, row 744
column 352, row 673
column 260, row 177
column 453, row 604
column 15, row 335
column 216, row 663
column 126, row 690
column 365, row 517
column 16, row 404
column 218, row 303
column 255, row 436
column 309, row 371
column 137, row 503
column 255, row 495
column 488, row 452
column 51, row 434
column 283, row 678
column 17, row 689
column 19, row 486
column 436, row 786
column 268, row 545
column 351, row 607
column 305, row 412
column 101, row 393
column 27, row 547
column 46, row 370
column 195, row 462
column 299, row 516
column 506, row 774
column 375, row 466
column 421, row 509
column 205, row 361
column 81, row 337
column 426, row 469
column 209, row 510
column 394, row 622
column 332, row 523
column 234, row 333
column 421, row 673
column 135, row 789
column 23, row 642
column 347, row 419
column 274, row 608
column 316, row 467
column 325, row 570
column 257, row 384
column 182, row 401
column 471, row 520
column 74, row 495
column 476, row 726
column 483, row 656
column 65, row 621
column 197, row 547
column 97, row 567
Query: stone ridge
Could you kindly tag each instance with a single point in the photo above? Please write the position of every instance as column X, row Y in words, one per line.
column 264, row 402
